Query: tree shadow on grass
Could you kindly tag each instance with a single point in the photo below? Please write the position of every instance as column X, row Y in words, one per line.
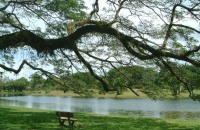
column 24, row 120
column 33, row 119
column 130, row 123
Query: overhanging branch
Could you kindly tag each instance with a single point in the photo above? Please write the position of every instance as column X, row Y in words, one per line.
column 49, row 45
column 24, row 62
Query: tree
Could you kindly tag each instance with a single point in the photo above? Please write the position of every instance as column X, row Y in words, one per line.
column 16, row 85
column 1, row 85
column 81, row 83
column 192, row 75
column 21, row 84
column 167, row 81
column 123, row 32
column 133, row 77
column 36, row 81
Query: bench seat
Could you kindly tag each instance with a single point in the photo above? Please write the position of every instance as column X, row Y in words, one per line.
column 69, row 116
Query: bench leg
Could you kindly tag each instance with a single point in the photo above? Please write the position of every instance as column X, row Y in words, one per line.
column 71, row 124
column 61, row 122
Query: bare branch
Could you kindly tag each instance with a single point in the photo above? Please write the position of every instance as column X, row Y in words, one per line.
column 169, row 27
column 118, row 11
column 105, row 85
column 95, row 9
column 16, row 71
column 24, row 62
column 192, row 10
column 188, row 27
column 69, row 60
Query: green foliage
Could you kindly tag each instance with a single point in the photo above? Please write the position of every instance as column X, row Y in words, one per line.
column 188, row 73
column 81, row 83
column 54, row 13
column 22, row 84
column 167, row 81
column 1, row 85
column 147, row 80
column 36, row 81
column 192, row 74
column 49, row 84
column 16, row 85
column 70, row 9
column 135, row 77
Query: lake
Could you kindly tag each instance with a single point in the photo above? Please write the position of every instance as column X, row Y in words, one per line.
column 167, row 108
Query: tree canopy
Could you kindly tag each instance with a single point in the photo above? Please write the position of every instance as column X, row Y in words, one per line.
column 160, row 34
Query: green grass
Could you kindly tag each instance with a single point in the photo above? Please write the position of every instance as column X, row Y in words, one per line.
column 18, row 118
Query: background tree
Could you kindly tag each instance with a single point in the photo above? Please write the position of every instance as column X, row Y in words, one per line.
column 133, row 77
column 193, row 75
column 118, row 33
column 36, row 81
column 16, row 85
column 21, row 84
column 81, row 83
column 1, row 85
column 168, row 82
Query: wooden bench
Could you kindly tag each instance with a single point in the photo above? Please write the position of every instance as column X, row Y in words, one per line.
column 63, row 116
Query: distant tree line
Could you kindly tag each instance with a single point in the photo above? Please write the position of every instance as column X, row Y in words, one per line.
column 14, row 85
column 148, row 80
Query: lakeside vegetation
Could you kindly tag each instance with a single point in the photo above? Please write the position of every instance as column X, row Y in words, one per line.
column 126, row 95
column 126, row 82
column 17, row 118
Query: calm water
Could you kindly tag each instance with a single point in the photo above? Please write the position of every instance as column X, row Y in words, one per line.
column 179, row 109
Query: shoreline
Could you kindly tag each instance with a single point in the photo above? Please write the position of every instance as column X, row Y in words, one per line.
column 125, row 95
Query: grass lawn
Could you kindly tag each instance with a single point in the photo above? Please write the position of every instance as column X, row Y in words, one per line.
column 18, row 118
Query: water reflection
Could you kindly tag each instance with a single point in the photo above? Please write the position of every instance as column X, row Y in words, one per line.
column 177, row 109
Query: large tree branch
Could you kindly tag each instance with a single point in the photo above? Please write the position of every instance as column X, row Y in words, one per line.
column 38, row 43
column 49, row 45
